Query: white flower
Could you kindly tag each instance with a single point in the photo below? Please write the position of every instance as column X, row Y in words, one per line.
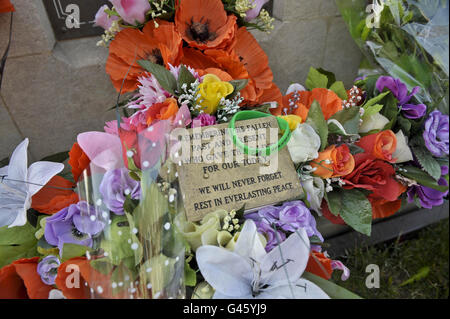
column 18, row 184
column 56, row 294
column 295, row 88
column 315, row 190
column 373, row 122
column 304, row 144
column 249, row 272
column 403, row 152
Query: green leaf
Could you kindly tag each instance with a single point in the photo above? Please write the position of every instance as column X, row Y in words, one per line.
column 16, row 243
column 102, row 265
column 238, row 86
column 421, row 177
column 353, row 207
column 339, row 88
column 375, row 100
column 331, row 289
column 355, row 149
column 405, row 125
column 162, row 75
column 349, row 118
column 427, row 161
column 185, row 77
column 330, row 75
column 371, row 110
column 421, row 274
column 58, row 158
column 190, row 276
column 317, row 121
column 390, row 111
column 316, row 80
column 73, row 250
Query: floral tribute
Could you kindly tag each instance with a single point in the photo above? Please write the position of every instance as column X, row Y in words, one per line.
column 112, row 224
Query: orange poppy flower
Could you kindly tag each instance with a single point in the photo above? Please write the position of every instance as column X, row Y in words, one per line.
column 20, row 280
column 381, row 145
column 51, row 198
column 334, row 162
column 78, row 160
column 329, row 102
column 204, row 24
column 6, row 6
column 160, row 45
column 162, row 111
column 319, row 265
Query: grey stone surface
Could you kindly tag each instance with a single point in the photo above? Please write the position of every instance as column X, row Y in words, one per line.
column 9, row 135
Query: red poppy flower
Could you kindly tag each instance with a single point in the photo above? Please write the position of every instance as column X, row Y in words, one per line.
column 319, row 265
column 78, row 160
column 204, row 24
column 20, row 280
column 6, row 6
column 160, row 45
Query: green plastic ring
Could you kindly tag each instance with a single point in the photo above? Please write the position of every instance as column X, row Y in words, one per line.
column 249, row 115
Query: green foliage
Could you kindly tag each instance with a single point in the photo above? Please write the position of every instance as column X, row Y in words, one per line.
column 73, row 250
column 238, row 86
column 331, row 289
column 339, row 88
column 184, row 77
column 162, row 75
column 349, row 118
column 190, row 276
column 17, row 243
column 317, row 121
column 421, row 177
column 316, row 79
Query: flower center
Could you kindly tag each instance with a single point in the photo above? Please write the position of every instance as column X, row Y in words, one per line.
column 200, row 32
column 77, row 234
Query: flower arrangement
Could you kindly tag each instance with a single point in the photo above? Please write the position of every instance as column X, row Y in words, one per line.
column 113, row 226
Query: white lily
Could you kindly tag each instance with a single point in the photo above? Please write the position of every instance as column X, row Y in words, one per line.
column 251, row 273
column 304, row 144
column 18, row 184
column 403, row 152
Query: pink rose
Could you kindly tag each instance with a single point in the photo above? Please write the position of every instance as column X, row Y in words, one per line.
column 132, row 11
column 103, row 20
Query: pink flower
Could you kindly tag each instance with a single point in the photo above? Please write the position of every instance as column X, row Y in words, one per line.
column 103, row 20
column 132, row 11
column 253, row 13
column 204, row 120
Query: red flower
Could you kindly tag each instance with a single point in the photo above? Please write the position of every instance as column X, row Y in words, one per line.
column 78, row 160
column 319, row 265
column 20, row 280
column 337, row 220
column 6, row 6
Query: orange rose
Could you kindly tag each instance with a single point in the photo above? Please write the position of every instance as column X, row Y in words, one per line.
column 20, row 280
column 52, row 198
column 166, row 110
column 334, row 162
column 78, row 160
column 329, row 102
column 381, row 145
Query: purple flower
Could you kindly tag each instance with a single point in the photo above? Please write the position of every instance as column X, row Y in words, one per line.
column 428, row 197
column 253, row 13
column 204, row 120
column 48, row 269
column 76, row 224
column 132, row 11
column 273, row 235
column 400, row 91
column 288, row 218
column 102, row 19
column 436, row 134
column 116, row 186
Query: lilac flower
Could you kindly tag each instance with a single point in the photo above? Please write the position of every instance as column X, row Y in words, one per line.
column 76, row 224
column 253, row 13
column 287, row 218
column 116, row 186
column 273, row 235
column 436, row 133
column 400, row 91
column 429, row 197
column 48, row 269
column 204, row 120
column 132, row 11
column 102, row 19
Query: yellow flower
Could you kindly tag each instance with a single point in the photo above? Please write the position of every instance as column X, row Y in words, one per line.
column 293, row 120
column 211, row 91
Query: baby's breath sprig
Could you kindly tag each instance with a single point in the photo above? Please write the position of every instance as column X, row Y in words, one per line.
column 227, row 108
column 190, row 97
column 231, row 223
column 109, row 34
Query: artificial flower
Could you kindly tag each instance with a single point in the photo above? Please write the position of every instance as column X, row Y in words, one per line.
column 166, row 110
column 211, row 91
column 400, row 92
column 254, row 12
column 272, row 234
column 48, row 269
column 304, row 144
column 382, row 208
column 76, row 224
column 103, row 19
column 6, row 6
column 315, row 191
column 56, row 294
column 204, row 120
column 326, row 212
column 204, row 24
column 293, row 121
column 319, row 265
column 78, row 161
column 403, row 152
column 429, row 197
column 102, row 149
column 334, row 162
column 381, row 145
column 18, row 184
column 20, row 280
column 373, row 122
column 57, row 194
column 436, row 133
column 115, row 187
column 250, row 273
column 132, row 11
column 160, row 45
